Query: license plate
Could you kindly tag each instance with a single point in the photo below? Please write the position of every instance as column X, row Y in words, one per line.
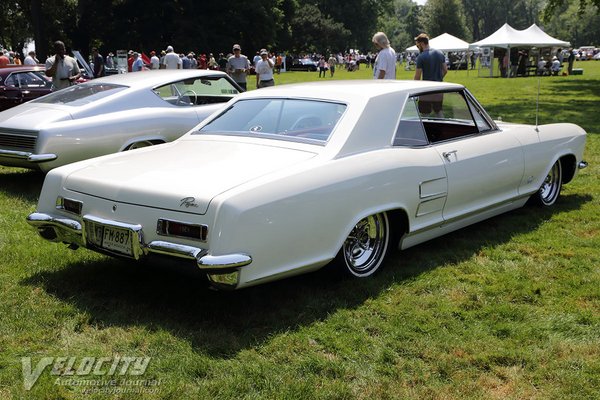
column 110, row 238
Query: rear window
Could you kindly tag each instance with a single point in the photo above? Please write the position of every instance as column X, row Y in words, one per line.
column 82, row 94
column 287, row 119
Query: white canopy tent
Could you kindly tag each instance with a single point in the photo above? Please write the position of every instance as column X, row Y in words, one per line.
column 445, row 42
column 508, row 37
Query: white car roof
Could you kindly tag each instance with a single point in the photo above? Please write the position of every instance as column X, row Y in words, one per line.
column 349, row 90
column 155, row 77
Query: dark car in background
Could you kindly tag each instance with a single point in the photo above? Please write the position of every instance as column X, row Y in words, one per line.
column 303, row 64
column 19, row 84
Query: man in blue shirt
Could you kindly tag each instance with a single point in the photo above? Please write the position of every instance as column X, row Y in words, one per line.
column 431, row 63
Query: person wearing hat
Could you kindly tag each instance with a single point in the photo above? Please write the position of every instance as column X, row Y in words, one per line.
column 110, row 61
column 129, row 60
column 138, row 63
column 238, row 66
column 264, row 70
column 556, row 66
column 171, row 60
column 154, row 60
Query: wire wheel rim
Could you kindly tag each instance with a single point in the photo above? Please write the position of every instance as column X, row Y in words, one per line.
column 366, row 245
column 551, row 186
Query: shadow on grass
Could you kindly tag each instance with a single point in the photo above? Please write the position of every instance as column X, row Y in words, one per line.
column 220, row 324
column 21, row 183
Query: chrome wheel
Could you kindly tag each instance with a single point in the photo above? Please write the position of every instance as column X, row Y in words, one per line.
column 550, row 189
column 365, row 248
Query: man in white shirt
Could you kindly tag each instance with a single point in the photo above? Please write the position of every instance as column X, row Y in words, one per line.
column 154, row 61
column 264, row 70
column 62, row 68
column 30, row 59
column 385, row 63
column 171, row 60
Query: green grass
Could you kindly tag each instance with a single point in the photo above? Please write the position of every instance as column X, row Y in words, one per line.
column 505, row 309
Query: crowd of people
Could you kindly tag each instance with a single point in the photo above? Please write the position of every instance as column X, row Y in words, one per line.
column 430, row 64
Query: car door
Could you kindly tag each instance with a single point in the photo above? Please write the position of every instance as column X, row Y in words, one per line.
column 424, row 182
column 484, row 166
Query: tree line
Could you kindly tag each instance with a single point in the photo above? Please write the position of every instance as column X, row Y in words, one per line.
column 298, row 26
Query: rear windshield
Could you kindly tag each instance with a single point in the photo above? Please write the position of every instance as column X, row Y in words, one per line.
column 287, row 119
column 82, row 94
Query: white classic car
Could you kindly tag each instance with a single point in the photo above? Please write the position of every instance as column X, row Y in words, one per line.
column 108, row 115
column 285, row 180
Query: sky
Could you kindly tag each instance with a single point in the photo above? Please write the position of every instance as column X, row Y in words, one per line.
column 420, row 2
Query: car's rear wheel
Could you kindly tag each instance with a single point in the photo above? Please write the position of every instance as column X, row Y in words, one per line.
column 365, row 248
column 550, row 189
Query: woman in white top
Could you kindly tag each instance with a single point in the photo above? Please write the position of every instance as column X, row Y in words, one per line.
column 385, row 63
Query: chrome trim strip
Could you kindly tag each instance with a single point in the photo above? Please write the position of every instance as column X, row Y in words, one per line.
column 110, row 222
column 176, row 250
column 471, row 214
column 582, row 164
column 432, row 196
column 25, row 155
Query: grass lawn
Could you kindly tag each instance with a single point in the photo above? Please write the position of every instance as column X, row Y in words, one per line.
column 505, row 309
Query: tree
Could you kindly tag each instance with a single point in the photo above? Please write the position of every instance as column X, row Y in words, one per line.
column 314, row 32
column 553, row 5
column 443, row 16
column 402, row 24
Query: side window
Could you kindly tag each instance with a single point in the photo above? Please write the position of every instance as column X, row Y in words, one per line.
column 410, row 129
column 11, row 81
column 482, row 124
column 446, row 116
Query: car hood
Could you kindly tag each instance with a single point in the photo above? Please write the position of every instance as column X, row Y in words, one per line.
column 180, row 176
column 32, row 116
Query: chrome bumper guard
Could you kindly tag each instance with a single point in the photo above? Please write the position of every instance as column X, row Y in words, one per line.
column 223, row 270
column 27, row 156
column 582, row 164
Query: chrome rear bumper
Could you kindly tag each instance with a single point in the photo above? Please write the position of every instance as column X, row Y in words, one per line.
column 27, row 156
column 222, row 270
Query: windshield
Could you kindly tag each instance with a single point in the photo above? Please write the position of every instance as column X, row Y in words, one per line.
column 288, row 119
column 82, row 94
column 197, row 91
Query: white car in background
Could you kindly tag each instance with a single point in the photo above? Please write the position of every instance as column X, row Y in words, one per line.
column 110, row 114
column 287, row 179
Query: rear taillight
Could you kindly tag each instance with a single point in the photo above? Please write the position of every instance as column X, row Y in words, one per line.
column 167, row 227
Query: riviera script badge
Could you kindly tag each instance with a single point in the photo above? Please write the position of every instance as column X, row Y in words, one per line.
column 188, row 202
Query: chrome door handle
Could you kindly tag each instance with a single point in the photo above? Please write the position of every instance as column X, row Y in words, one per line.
column 447, row 154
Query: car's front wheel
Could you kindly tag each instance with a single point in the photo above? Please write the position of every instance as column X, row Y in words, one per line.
column 550, row 189
column 365, row 248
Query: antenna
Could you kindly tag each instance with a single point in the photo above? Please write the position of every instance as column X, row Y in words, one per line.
column 537, row 105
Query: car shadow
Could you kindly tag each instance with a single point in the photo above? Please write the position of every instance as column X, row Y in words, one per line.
column 22, row 183
column 220, row 324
